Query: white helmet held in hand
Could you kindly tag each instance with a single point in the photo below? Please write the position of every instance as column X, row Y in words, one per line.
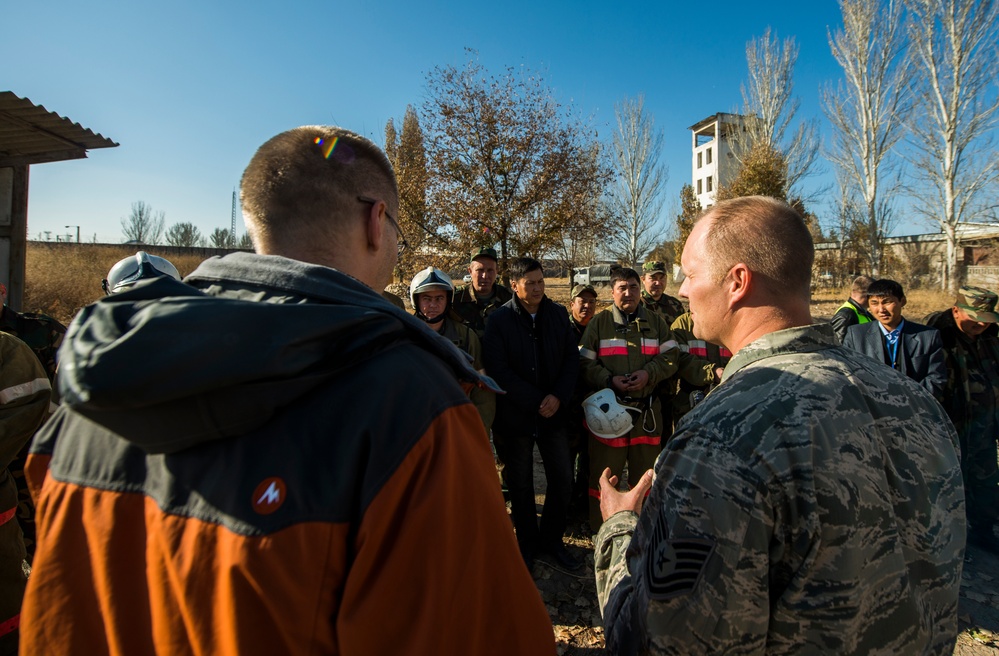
column 605, row 417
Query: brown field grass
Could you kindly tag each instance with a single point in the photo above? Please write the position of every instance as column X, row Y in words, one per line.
column 60, row 281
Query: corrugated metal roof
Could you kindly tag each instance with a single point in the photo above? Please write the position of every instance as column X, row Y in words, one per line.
column 31, row 134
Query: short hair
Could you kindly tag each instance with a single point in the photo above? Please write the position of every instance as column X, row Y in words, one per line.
column 523, row 266
column 768, row 236
column 885, row 287
column 300, row 183
column 861, row 284
column 624, row 273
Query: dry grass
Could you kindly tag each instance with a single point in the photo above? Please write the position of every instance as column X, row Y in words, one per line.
column 60, row 280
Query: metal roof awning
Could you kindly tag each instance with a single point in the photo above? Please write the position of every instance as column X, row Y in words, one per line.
column 30, row 134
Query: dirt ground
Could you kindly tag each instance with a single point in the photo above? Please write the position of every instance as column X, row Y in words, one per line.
column 571, row 598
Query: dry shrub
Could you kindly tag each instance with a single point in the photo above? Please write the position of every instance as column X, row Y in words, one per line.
column 60, row 279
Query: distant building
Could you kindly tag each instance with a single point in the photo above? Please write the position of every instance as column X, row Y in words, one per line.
column 713, row 162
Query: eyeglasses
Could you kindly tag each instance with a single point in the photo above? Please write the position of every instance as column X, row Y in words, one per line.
column 402, row 244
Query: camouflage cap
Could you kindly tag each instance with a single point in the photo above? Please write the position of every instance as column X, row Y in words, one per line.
column 579, row 289
column 980, row 304
column 484, row 252
column 654, row 266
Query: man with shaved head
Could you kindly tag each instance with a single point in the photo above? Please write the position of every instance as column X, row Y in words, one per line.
column 810, row 504
column 271, row 458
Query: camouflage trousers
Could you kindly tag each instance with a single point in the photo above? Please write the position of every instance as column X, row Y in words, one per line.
column 981, row 478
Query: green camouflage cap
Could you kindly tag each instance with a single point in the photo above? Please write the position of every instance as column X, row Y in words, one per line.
column 484, row 252
column 579, row 289
column 980, row 304
column 654, row 266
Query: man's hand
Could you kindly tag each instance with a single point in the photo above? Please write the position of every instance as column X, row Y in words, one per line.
column 718, row 374
column 549, row 406
column 613, row 502
column 620, row 383
column 636, row 381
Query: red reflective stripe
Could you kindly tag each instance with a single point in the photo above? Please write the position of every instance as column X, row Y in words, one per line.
column 612, row 350
column 619, row 442
column 650, row 350
column 7, row 516
column 724, row 352
column 594, row 493
column 10, row 625
column 699, row 350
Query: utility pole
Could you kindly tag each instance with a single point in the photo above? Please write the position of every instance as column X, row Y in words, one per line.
column 77, row 233
column 232, row 229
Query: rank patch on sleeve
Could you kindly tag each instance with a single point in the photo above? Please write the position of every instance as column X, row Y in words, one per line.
column 674, row 565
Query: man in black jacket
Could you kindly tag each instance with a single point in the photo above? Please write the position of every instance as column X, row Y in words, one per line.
column 530, row 349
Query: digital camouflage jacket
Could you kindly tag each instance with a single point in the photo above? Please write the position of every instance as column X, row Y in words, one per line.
column 812, row 504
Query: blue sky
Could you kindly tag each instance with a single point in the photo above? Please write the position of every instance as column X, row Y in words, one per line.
column 190, row 89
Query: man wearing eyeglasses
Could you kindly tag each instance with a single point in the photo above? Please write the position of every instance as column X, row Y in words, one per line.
column 271, row 458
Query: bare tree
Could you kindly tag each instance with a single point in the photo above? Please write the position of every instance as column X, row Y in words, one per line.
column 504, row 159
column 953, row 44
column 222, row 238
column 184, row 234
column 636, row 198
column 868, row 109
column 770, row 106
column 142, row 225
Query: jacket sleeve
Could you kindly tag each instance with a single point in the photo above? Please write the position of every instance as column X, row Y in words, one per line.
column 565, row 384
column 434, row 558
column 695, row 370
column 594, row 373
column 840, row 322
column 687, row 577
column 936, row 374
column 497, row 344
column 25, row 393
column 667, row 362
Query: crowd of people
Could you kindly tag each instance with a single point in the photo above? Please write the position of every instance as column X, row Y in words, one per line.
column 271, row 456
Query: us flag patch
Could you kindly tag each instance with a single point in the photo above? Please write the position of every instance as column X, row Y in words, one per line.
column 674, row 566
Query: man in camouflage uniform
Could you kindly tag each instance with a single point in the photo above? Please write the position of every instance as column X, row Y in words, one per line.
column 631, row 350
column 474, row 302
column 43, row 335
column 683, row 330
column 811, row 504
column 971, row 398
column 654, row 298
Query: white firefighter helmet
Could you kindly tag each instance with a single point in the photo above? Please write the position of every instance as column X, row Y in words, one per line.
column 605, row 417
column 431, row 278
column 137, row 267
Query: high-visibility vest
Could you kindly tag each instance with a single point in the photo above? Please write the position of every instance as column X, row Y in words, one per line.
column 861, row 318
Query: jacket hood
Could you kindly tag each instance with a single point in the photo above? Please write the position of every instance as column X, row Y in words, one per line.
column 169, row 365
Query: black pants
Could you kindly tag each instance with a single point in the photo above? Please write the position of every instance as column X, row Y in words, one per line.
column 519, row 450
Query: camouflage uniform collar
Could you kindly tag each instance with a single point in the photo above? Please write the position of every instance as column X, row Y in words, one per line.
column 802, row 339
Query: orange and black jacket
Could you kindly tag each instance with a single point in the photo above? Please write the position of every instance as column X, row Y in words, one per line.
column 273, row 461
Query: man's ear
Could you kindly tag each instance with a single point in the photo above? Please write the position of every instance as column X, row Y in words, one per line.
column 737, row 283
column 374, row 226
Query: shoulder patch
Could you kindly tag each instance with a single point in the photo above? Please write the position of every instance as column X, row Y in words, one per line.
column 269, row 495
column 675, row 565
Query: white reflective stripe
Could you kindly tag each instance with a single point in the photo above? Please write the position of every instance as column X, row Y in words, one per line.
column 587, row 353
column 684, row 348
column 613, row 343
column 665, row 346
column 24, row 389
column 653, row 343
